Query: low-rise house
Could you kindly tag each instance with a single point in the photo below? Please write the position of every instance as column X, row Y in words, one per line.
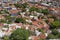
column 35, row 23
column 34, row 18
column 5, row 29
column 2, row 17
column 35, row 38
column 31, row 29
column 9, row 8
column 41, row 26
column 44, row 4
column 1, row 24
column 18, row 26
column 51, row 19
column 29, row 21
column 41, row 7
column 37, row 32
column 43, row 36
column 1, row 8
column 13, row 12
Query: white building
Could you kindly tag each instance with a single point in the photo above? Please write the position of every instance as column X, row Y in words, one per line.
column 10, row 0
column 34, row 0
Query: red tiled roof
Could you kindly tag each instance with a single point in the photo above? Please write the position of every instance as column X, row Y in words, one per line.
column 42, row 36
column 51, row 8
column 41, row 26
column 13, row 27
column 13, row 11
column 35, row 23
column 0, row 8
column 1, row 24
column 41, row 7
column 31, row 28
column 36, row 38
column 58, row 8
column 47, row 27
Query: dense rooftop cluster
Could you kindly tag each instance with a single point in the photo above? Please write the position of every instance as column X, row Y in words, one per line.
column 29, row 20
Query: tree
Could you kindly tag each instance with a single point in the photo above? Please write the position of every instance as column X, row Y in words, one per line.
column 0, row 12
column 50, row 36
column 18, row 13
column 46, row 21
column 24, row 5
column 45, row 11
column 58, row 35
column 17, row 5
column 55, row 24
column 38, row 10
column 52, row 16
column 41, row 30
column 5, row 38
column 8, row 19
column 20, row 20
column 20, row 34
column 54, row 35
column 35, row 9
column 32, row 9
column 6, row 11
column 2, row 21
column 54, row 31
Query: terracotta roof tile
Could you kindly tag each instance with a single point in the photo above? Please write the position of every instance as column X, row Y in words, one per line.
column 42, row 36
column 36, row 38
column 13, row 27
column 58, row 8
column 47, row 27
column 51, row 19
column 1, row 24
column 0, row 8
column 35, row 23
column 41, row 26
column 31, row 28
column 41, row 7
column 51, row 8
column 13, row 11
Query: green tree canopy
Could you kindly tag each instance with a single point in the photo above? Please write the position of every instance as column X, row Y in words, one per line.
column 55, row 32
column 0, row 12
column 17, row 5
column 20, row 34
column 55, row 24
column 20, row 20
column 24, row 5
column 32, row 9
column 35, row 9
column 5, row 38
column 45, row 11
column 6, row 11
column 50, row 36
column 54, row 35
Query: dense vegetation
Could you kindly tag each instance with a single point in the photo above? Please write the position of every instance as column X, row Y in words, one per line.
column 18, row 34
